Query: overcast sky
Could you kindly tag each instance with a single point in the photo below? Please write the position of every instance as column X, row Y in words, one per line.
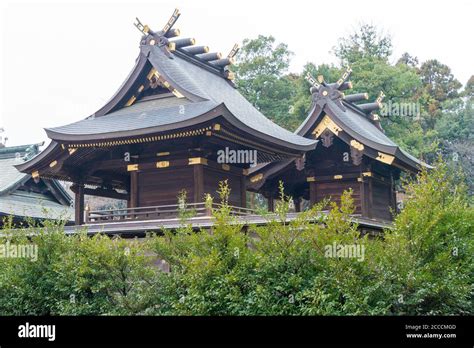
column 62, row 61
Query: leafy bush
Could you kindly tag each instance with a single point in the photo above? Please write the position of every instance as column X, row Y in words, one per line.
column 74, row 275
column 424, row 265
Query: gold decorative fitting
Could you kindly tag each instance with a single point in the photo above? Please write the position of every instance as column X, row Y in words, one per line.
column 385, row 158
column 217, row 127
column 208, row 133
column 35, row 174
column 194, row 132
column 366, row 96
column 321, row 79
column 131, row 100
column 197, row 160
column 72, row 150
column 245, row 172
column 310, row 179
column 52, row 164
column 338, row 177
column 146, row 29
column 151, row 73
column 226, row 167
column 132, row 167
column 325, row 93
column 360, row 179
column 367, row 174
column 356, row 145
column 256, row 178
column 326, row 123
column 63, row 147
column 172, row 46
column 349, row 84
column 230, row 75
column 162, row 164
column 141, row 88
column 375, row 117
column 152, row 42
column 162, row 154
column 177, row 94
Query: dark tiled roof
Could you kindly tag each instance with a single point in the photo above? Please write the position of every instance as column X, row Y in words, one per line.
column 9, row 157
column 21, row 203
column 204, row 92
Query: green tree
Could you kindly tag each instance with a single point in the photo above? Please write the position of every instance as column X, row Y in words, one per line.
column 365, row 43
column 261, row 76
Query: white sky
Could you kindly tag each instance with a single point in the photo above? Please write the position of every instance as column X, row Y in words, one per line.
column 61, row 61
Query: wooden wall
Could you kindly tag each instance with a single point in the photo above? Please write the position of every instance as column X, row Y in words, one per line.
column 381, row 200
column 162, row 186
column 334, row 189
column 213, row 176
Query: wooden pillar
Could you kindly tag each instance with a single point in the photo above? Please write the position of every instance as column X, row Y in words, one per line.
column 312, row 193
column 371, row 197
column 79, row 205
column 393, row 193
column 297, row 202
column 243, row 191
column 365, row 197
column 133, row 201
column 198, row 183
column 271, row 203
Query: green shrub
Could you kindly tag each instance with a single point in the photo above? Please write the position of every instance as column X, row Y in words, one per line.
column 424, row 265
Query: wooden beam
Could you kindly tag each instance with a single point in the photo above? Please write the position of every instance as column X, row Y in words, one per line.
column 108, row 193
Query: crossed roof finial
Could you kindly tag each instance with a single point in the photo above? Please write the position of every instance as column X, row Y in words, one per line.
column 323, row 91
column 161, row 37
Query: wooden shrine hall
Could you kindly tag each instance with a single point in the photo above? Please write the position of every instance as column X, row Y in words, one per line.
column 354, row 153
column 161, row 133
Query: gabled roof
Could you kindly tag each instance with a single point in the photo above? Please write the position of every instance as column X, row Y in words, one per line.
column 22, row 203
column 10, row 177
column 201, row 88
column 353, row 121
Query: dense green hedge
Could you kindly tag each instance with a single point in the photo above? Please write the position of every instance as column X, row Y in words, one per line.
column 424, row 266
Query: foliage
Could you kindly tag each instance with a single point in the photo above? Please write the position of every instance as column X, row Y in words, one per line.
column 364, row 43
column 261, row 67
column 439, row 244
column 74, row 275
column 424, row 265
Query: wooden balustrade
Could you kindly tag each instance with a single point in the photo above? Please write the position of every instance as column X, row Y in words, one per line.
column 158, row 212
